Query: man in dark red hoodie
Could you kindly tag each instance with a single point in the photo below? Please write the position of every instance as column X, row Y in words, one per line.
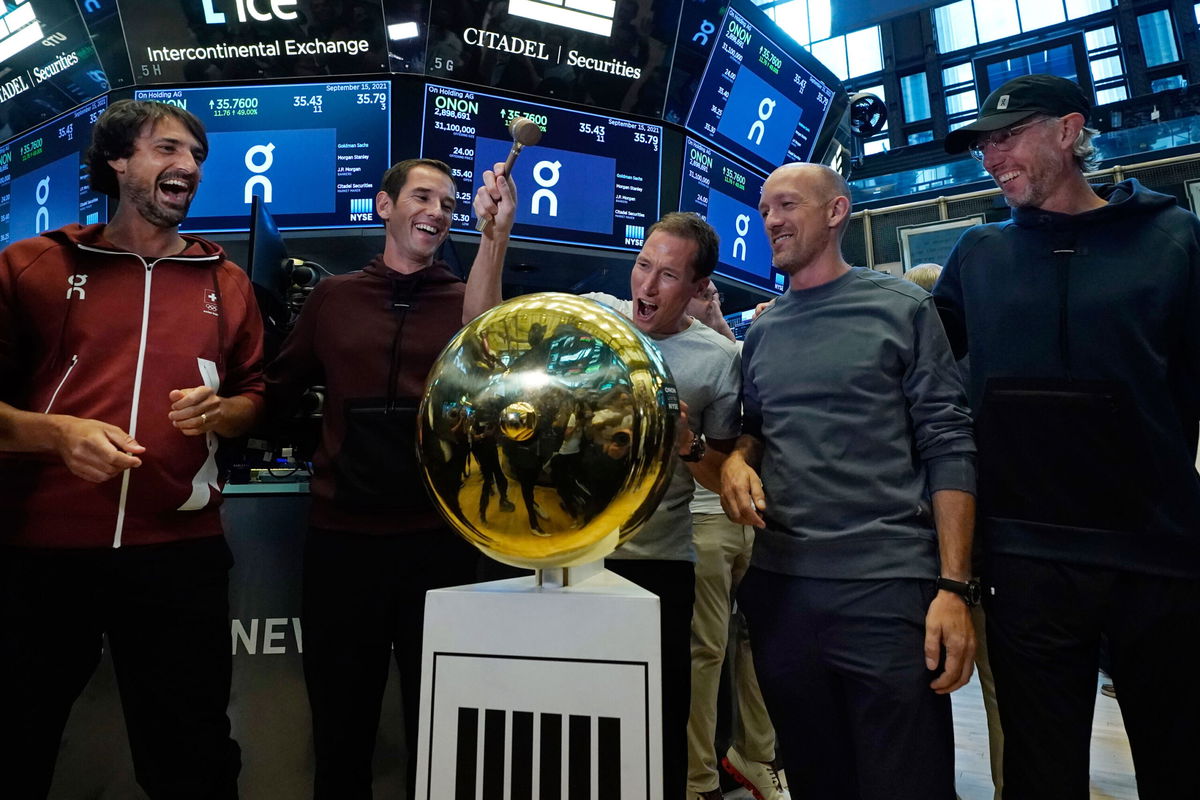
column 126, row 351
column 376, row 544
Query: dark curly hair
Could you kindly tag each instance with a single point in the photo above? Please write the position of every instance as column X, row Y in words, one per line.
column 118, row 127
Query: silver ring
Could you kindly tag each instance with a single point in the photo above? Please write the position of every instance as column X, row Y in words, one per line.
column 203, row 419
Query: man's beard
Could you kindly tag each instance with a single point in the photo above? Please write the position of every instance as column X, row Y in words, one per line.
column 161, row 216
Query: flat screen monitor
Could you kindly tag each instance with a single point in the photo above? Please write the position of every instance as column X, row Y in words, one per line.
column 726, row 193
column 760, row 100
column 314, row 152
column 44, row 182
column 592, row 180
column 48, row 63
column 613, row 54
column 266, row 256
column 177, row 41
column 739, row 323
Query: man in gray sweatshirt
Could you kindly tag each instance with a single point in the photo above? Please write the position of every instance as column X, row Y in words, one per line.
column 858, row 593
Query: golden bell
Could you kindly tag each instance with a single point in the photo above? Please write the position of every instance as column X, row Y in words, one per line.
column 547, row 431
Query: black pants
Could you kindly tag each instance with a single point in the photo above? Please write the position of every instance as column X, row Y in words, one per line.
column 675, row 584
column 841, row 666
column 165, row 609
column 1044, row 623
column 364, row 602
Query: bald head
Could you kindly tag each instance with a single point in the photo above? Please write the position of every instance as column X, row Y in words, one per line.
column 805, row 209
column 821, row 182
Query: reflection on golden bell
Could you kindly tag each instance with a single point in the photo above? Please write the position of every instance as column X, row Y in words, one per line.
column 518, row 421
column 547, row 430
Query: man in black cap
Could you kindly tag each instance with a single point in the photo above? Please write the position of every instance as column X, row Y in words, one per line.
column 1082, row 313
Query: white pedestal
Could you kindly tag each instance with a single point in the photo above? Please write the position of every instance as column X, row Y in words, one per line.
column 541, row 692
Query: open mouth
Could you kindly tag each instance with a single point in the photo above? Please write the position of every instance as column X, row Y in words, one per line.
column 426, row 228
column 1007, row 176
column 643, row 310
column 176, row 191
column 780, row 239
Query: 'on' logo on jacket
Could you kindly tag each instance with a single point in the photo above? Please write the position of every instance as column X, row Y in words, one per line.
column 75, row 285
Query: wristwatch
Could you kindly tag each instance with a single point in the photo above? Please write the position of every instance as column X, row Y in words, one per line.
column 970, row 591
column 699, row 448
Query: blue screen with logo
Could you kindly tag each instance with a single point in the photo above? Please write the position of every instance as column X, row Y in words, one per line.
column 756, row 100
column 592, row 180
column 726, row 194
column 44, row 183
column 314, row 153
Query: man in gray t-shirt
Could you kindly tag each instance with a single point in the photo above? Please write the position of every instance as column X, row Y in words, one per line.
column 672, row 268
column 858, row 592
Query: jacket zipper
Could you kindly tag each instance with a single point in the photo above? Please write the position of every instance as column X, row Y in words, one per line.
column 57, row 389
column 137, row 381
column 137, row 395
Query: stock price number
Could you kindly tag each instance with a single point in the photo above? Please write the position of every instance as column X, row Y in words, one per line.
column 30, row 149
column 508, row 115
column 646, row 138
column 314, row 101
column 372, row 98
column 233, row 103
column 592, row 130
column 67, row 132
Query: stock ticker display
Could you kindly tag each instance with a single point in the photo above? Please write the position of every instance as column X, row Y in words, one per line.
column 593, row 179
column 726, row 194
column 756, row 100
column 43, row 180
column 313, row 152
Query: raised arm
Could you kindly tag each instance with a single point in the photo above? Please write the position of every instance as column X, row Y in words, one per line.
column 495, row 200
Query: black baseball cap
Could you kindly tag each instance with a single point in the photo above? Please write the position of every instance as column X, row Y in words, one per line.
column 1020, row 99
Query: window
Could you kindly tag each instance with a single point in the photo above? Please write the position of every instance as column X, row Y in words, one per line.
column 1058, row 60
column 1085, row 8
column 1158, row 38
column 955, row 26
column 1101, row 37
column 1169, row 82
column 851, row 56
column 965, row 101
column 958, row 83
column 967, row 23
column 915, row 90
column 832, row 53
column 997, row 19
column 793, row 18
column 920, row 137
column 864, row 51
column 806, row 21
column 1039, row 13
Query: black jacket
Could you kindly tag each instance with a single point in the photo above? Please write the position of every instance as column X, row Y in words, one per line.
column 1084, row 337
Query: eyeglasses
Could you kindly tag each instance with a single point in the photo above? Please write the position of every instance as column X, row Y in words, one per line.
column 1002, row 139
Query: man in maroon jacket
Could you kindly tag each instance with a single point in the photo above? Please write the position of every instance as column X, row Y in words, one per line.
column 126, row 351
column 376, row 544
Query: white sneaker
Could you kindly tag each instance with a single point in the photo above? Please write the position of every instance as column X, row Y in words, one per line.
column 763, row 780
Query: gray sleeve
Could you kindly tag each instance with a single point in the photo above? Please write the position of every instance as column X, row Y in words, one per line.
column 723, row 417
column 937, row 405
